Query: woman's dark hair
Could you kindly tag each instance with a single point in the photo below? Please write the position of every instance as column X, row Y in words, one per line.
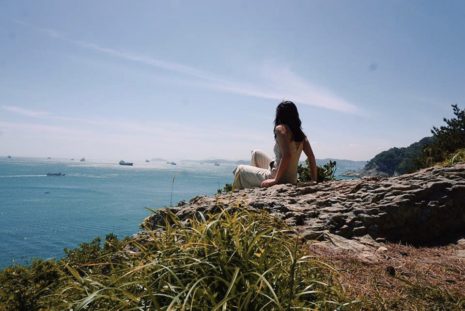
column 286, row 113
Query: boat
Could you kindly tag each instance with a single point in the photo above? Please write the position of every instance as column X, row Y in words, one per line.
column 217, row 164
column 56, row 174
column 147, row 161
column 9, row 157
column 83, row 160
column 126, row 163
column 172, row 163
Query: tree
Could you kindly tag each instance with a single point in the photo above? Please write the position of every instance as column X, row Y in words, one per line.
column 448, row 138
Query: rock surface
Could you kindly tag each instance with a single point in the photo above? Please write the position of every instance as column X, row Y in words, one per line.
column 426, row 207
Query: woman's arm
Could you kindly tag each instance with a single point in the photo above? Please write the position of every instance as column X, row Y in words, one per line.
column 284, row 142
column 311, row 160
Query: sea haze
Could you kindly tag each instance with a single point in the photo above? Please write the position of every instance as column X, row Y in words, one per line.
column 40, row 215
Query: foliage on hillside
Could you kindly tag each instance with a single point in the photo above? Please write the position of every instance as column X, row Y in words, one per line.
column 399, row 160
column 235, row 260
column 446, row 140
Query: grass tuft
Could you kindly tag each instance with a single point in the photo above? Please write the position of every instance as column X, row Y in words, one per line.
column 456, row 157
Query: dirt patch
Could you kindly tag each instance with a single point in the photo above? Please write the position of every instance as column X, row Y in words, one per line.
column 402, row 277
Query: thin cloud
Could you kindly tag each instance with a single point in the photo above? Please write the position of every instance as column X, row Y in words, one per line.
column 25, row 112
column 129, row 127
column 279, row 84
column 162, row 64
column 282, row 83
column 129, row 56
column 305, row 92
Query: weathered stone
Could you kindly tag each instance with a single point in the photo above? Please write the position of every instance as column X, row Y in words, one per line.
column 422, row 207
column 358, row 231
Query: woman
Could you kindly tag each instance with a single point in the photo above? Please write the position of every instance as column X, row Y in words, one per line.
column 290, row 141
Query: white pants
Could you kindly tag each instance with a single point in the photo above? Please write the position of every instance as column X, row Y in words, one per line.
column 250, row 176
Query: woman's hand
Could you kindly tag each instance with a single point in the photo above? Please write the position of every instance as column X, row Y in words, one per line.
column 268, row 182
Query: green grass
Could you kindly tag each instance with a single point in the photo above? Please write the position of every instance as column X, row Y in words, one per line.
column 457, row 156
column 232, row 260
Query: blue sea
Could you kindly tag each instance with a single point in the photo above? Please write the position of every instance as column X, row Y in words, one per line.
column 41, row 215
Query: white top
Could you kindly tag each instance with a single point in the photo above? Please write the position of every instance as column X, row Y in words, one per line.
column 290, row 176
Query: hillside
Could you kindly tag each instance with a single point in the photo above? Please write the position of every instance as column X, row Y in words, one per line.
column 447, row 142
column 397, row 161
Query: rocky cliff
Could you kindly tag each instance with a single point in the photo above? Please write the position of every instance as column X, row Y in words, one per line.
column 426, row 207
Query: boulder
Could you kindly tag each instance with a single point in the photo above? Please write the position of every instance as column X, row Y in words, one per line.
column 425, row 207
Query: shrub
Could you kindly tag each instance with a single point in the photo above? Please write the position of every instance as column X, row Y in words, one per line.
column 324, row 173
column 227, row 188
column 22, row 288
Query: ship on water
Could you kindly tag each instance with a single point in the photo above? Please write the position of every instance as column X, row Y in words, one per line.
column 56, row 174
column 122, row 162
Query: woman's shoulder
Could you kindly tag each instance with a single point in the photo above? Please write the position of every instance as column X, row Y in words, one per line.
column 281, row 129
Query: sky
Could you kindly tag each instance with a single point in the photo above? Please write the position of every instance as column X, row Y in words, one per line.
column 135, row 80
